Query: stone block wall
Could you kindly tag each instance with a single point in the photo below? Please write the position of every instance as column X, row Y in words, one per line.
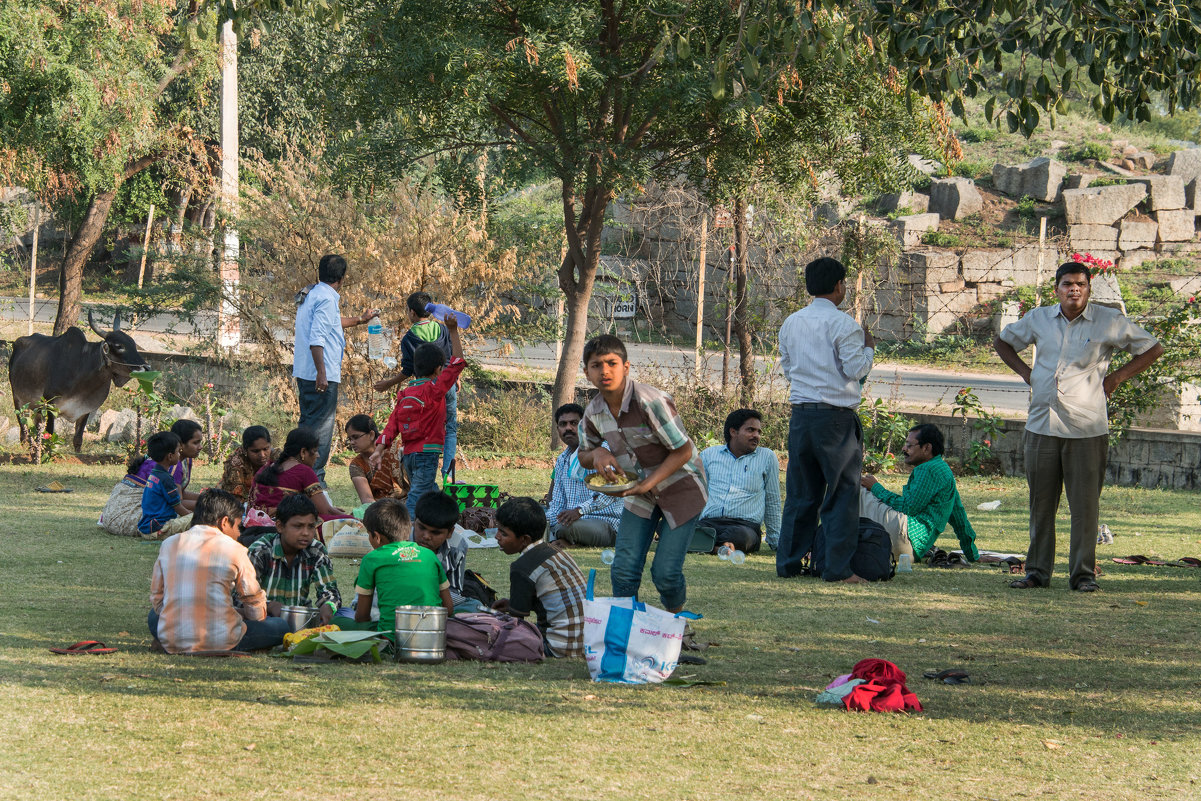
column 1141, row 458
column 929, row 291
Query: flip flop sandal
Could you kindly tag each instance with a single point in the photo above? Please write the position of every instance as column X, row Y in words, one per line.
column 84, row 647
column 958, row 679
column 1135, row 559
column 943, row 675
column 1189, row 561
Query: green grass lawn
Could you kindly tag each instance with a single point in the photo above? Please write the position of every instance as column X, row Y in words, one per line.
column 1075, row 696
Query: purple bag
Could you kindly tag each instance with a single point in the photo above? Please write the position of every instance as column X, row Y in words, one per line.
column 492, row 638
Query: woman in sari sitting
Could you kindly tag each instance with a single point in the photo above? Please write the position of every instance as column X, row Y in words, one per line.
column 123, row 511
column 389, row 481
column 292, row 472
column 245, row 462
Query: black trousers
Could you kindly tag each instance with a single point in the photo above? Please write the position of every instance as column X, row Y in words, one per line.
column 744, row 535
column 821, row 508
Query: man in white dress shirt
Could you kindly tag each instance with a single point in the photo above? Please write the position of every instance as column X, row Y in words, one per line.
column 1067, row 429
column 825, row 355
column 744, row 485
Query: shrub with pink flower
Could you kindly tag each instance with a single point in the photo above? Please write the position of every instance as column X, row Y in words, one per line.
column 1097, row 265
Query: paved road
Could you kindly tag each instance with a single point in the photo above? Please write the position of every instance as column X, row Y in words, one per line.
column 914, row 387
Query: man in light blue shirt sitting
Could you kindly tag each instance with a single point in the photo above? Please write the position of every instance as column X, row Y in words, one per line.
column 576, row 514
column 744, row 485
column 317, row 358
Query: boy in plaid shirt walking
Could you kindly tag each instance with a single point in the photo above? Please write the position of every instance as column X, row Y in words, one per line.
column 645, row 436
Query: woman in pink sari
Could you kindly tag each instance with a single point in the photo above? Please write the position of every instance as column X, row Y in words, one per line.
column 292, row 472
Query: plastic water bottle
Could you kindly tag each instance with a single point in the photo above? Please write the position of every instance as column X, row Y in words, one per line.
column 375, row 339
column 441, row 311
column 905, row 563
column 608, row 555
column 728, row 553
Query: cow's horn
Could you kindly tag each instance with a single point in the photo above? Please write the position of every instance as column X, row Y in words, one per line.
column 117, row 321
column 92, row 323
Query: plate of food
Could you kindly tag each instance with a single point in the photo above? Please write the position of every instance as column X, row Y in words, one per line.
column 616, row 486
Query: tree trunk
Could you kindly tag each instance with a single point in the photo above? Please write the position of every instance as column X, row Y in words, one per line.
column 746, row 357
column 577, row 277
column 70, row 278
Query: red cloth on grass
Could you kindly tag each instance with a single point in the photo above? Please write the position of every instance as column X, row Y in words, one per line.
column 883, row 689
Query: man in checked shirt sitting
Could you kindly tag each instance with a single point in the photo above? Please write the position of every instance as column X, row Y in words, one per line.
column 929, row 501
column 578, row 515
column 744, row 486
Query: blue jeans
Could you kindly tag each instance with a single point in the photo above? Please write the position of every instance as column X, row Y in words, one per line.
column 634, row 537
column 452, row 429
column 821, row 511
column 317, row 414
column 260, row 634
column 423, row 473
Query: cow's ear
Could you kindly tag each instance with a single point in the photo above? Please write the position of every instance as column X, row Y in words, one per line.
column 104, row 348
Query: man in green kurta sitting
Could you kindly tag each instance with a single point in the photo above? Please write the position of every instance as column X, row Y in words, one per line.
column 915, row 518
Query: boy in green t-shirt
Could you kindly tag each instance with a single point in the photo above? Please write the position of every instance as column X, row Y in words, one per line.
column 401, row 572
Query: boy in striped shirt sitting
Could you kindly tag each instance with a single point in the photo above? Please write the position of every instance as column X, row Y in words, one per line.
column 543, row 579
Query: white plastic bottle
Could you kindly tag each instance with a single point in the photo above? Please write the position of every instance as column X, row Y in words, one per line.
column 375, row 339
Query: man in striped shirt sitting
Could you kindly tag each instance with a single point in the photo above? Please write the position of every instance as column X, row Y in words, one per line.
column 744, row 485
column 196, row 577
column 915, row 518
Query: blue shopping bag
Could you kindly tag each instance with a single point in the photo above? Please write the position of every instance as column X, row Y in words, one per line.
column 628, row 642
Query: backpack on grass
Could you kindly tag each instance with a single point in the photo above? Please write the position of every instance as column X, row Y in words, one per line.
column 873, row 556
column 493, row 638
column 872, row 559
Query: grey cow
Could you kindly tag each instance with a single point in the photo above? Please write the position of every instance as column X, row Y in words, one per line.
column 71, row 373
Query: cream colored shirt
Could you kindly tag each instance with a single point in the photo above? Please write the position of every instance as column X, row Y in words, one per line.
column 1067, row 398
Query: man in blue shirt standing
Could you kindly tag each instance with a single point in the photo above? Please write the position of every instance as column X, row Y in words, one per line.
column 317, row 360
column 744, row 485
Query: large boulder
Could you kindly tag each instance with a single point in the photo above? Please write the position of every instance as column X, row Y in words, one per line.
column 179, row 412
column 987, row 264
column 1176, row 225
column 122, row 428
column 1041, row 178
column 1101, row 205
column 1186, row 164
column 1029, row 269
column 1079, row 180
column 1135, row 235
column 926, row 268
column 955, row 198
column 909, row 229
column 915, row 202
column 924, row 165
column 1165, row 192
column 1106, row 292
column 1093, row 237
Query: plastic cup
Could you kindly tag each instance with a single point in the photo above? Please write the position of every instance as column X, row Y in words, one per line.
column 725, row 552
column 737, row 558
column 905, row 563
column 608, row 555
